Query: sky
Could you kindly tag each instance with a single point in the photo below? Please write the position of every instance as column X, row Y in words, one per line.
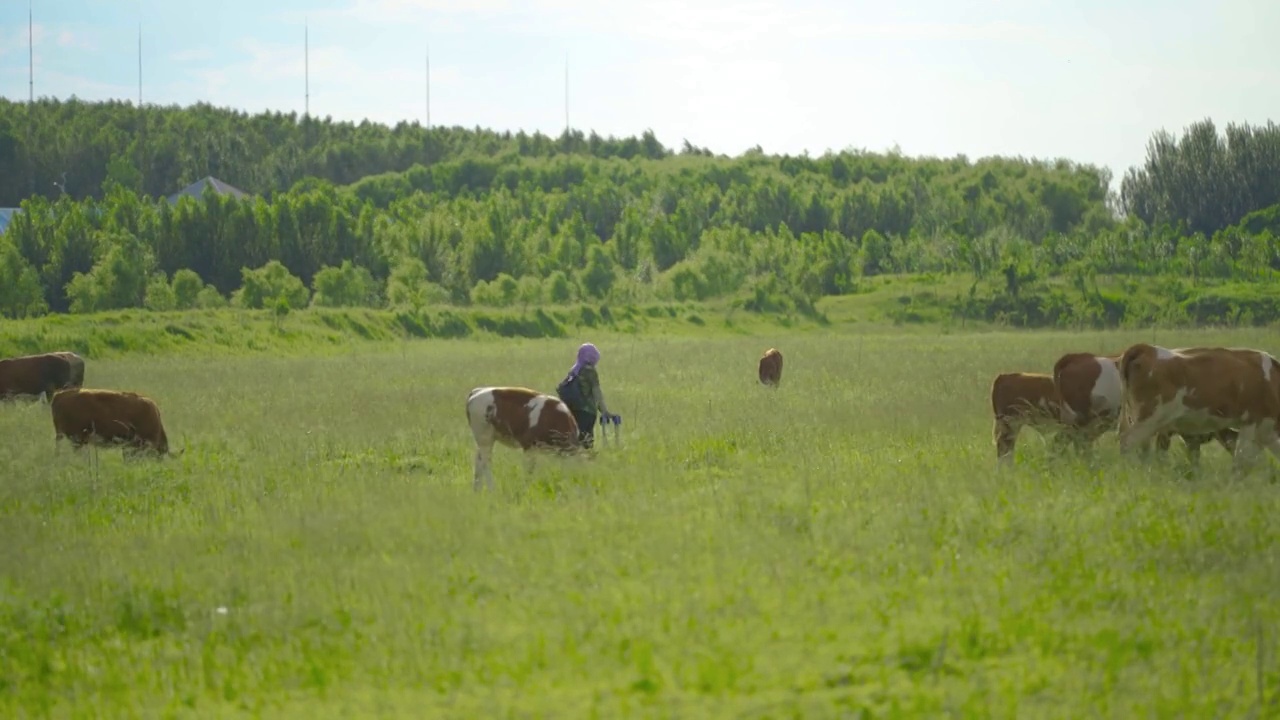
column 1089, row 80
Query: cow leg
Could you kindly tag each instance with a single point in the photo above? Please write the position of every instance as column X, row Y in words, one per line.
column 1005, row 435
column 1193, row 443
column 1139, row 435
column 1163, row 440
column 1227, row 438
column 483, row 466
column 1091, row 431
column 1247, row 447
column 1073, row 437
column 1271, row 440
column 530, row 461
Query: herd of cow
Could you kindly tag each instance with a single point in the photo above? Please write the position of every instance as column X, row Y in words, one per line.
column 1198, row 393
column 85, row 416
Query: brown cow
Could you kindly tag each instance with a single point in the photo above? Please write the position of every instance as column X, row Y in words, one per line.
column 518, row 417
column 1194, row 391
column 40, row 375
column 1019, row 400
column 109, row 417
column 771, row 368
column 1092, row 395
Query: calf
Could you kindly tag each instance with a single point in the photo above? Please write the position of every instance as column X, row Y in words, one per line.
column 40, row 375
column 771, row 368
column 1093, row 393
column 109, row 417
column 1019, row 400
column 518, row 418
column 1196, row 391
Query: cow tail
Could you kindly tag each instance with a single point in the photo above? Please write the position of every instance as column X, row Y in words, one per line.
column 1127, row 360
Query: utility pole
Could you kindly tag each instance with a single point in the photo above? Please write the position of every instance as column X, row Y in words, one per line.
column 31, row 100
column 566, row 95
column 428, row 87
column 142, row 124
column 306, row 69
column 306, row 111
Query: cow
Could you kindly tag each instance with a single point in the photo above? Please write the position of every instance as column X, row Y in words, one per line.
column 1019, row 400
column 109, row 417
column 771, row 368
column 1196, row 391
column 1092, row 394
column 518, row 417
column 40, row 375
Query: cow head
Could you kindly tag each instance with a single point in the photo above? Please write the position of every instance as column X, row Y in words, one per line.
column 1136, row 359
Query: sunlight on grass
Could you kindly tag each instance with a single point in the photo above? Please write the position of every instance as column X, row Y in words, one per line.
column 844, row 544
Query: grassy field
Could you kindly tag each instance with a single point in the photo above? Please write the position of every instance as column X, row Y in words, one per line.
column 841, row 547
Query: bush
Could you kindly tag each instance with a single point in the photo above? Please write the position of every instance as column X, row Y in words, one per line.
column 117, row 280
column 265, row 286
column 345, row 286
column 21, row 294
column 159, row 294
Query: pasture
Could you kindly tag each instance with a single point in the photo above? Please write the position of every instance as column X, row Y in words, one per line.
column 843, row 546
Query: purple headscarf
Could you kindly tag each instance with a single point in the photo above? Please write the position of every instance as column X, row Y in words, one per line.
column 587, row 355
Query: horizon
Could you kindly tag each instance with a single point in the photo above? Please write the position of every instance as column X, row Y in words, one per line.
column 936, row 87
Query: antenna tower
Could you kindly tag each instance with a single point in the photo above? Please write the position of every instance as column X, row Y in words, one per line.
column 31, row 98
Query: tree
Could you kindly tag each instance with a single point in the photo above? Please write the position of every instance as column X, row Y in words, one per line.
column 265, row 286
column 599, row 275
column 345, row 286
column 117, row 280
column 159, row 294
column 186, row 289
column 20, row 292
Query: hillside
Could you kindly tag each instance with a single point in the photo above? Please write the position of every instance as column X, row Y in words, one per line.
column 345, row 214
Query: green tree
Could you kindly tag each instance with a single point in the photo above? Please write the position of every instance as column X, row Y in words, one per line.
column 186, row 289
column 267, row 285
column 117, row 280
column 159, row 295
column 20, row 292
column 599, row 275
column 347, row 285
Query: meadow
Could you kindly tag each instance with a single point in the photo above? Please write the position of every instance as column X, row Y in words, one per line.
column 842, row 547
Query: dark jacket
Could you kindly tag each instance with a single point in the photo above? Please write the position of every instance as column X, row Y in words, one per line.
column 589, row 378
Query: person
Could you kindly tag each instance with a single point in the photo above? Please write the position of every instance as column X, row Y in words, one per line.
column 580, row 390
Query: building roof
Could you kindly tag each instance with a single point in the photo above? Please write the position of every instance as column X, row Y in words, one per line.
column 196, row 189
column 6, row 214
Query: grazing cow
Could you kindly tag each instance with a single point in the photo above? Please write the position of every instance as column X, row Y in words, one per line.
column 1093, row 393
column 109, row 417
column 771, row 368
column 1194, row 391
column 518, row 418
column 1019, row 400
column 40, row 375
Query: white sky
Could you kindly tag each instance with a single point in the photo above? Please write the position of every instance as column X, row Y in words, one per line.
column 1088, row 80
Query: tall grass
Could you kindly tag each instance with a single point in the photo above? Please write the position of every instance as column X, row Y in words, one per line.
column 843, row 544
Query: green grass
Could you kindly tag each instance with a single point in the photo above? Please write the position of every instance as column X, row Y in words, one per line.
column 319, row 331
column 844, row 544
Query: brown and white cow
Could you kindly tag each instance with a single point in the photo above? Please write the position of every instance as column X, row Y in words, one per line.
column 40, row 375
column 1093, row 393
column 109, row 417
column 771, row 368
column 1196, row 391
column 521, row 418
column 1020, row 400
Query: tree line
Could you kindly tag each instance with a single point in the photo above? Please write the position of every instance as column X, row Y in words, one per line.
column 405, row 215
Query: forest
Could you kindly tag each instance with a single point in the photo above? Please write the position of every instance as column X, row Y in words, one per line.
column 344, row 214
